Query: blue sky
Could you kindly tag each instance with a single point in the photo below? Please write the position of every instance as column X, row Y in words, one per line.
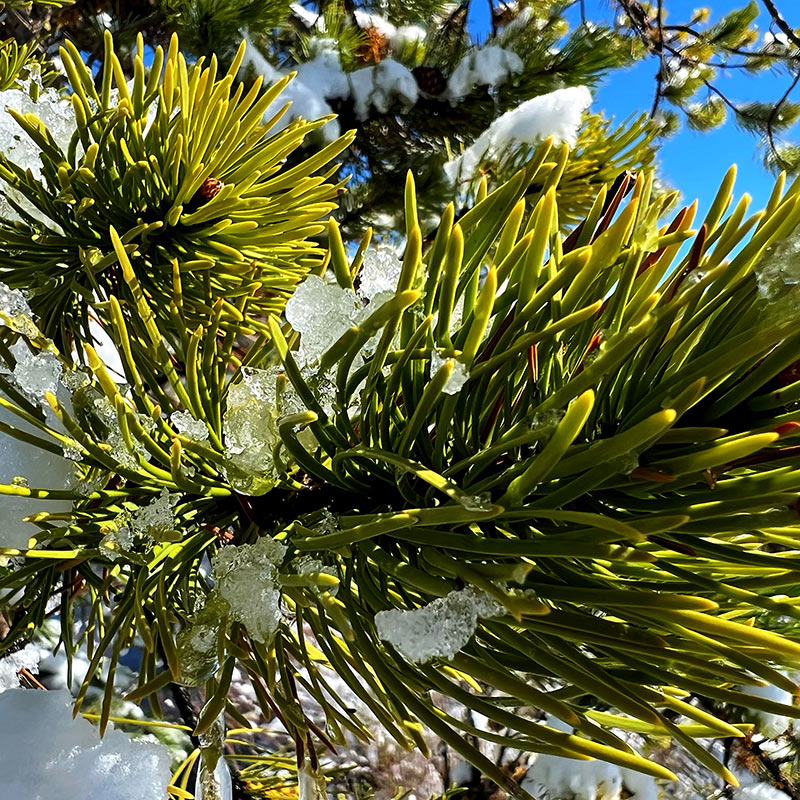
column 692, row 162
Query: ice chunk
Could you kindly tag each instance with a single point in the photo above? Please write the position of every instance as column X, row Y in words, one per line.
column 118, row 538
column 779, row 269
column 251, row 431
column 197, row 642
column 490, row 65
column 118, row 447
column 477, row 502
column 557, row 114
column 10, row 665
column 55, row 111
column 247, row 577
column 308, row 565
column 439, row 629
column 35, row 373
column 156, row 519
column 379, row 273
column 70, row 759
column 15, row 312
column 458, row 377
column 546, row 421
column 188, row 426
column 321, row 313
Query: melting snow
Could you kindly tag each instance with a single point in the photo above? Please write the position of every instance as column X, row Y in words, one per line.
column 439, row 629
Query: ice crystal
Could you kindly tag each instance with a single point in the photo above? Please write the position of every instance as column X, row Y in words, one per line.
column 106, row 417
column 10, row 666
column 156, row 519
column 35, row 373
column 458, row 377
column 308, row 565
column 74, row 379
column 546, row 421
column 779, row 269
column 439, row 629
column 188, row 426
column 250, row 429
column 118, row 538
column 321, row 313
column 478, row 502
column 15, row 313
column 197, row 642
column 247, row 577
column 71, row 760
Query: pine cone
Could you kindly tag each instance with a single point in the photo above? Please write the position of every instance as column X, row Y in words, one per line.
column 209, row 189
column 374, row 48
column 430, row 80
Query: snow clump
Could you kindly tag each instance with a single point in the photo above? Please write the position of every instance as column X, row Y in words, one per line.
column 488, row 66
column 557, row 115
column 439, row 629
column 247, row 577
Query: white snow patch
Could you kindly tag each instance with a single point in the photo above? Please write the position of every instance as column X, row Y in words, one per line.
column 759, row 791
column 557, row 778
column 557, row 114
column 307, row 102
column 309, row 18
column 407, row 36
column 380, row 86
column 365, row 21
column 45, row 754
